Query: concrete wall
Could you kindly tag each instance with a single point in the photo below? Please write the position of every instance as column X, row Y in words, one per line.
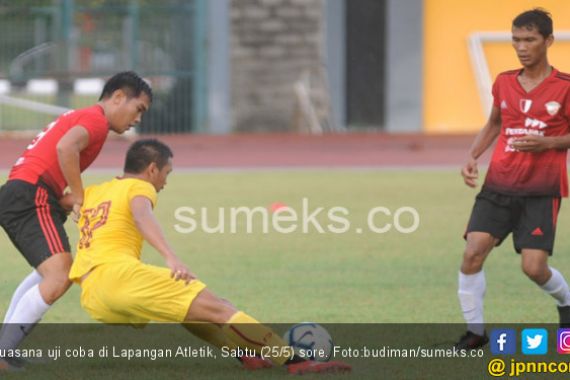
column 272, row 42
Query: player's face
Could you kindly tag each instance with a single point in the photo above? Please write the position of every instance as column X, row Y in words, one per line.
column 128, row 111
column 530, row 46
column 159, row 176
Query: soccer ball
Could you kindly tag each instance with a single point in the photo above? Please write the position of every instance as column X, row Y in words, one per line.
column 310, row 341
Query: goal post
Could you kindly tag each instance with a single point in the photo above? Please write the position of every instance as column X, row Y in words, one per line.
column 480, row 63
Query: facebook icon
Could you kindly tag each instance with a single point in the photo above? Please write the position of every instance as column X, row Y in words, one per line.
column 503, row 342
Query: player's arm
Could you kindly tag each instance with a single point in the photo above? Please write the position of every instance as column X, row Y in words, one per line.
column 141, row 208
column 68, row 149
column 536, row 144
column 483, row 141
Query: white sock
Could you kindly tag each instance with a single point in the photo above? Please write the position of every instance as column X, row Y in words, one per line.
column 471, row 292
column 29, row 310
column 557, row 287
column 32, row 279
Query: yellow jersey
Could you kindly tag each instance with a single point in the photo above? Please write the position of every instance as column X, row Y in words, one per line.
column 107, row 229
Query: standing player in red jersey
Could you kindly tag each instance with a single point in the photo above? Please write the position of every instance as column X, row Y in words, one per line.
column 522, row 189
column 33, row 206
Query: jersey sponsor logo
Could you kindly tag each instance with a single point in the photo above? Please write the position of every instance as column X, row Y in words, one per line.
column 552, row 108
column 534, row 123
column 504, row 105
column 519, row 132
column 523, row 131
column 525, row 105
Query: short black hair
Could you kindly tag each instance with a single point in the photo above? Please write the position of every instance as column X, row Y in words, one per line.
column 538, row 18
column 144, row 152
column 128, row 81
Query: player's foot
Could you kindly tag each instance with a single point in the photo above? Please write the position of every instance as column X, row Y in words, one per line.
column 471, row 341
column 564, row 313
column 252, row 363
column 311, row 366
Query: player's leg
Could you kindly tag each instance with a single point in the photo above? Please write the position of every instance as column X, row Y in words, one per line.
column 238, row 327
column 35, row 302
column 472, row 287
column 535, row 265
column 35, row 225
column 213, row 334
column 32, row 279
column 132, row 292
column 248, row 333
column 488, row 225
column 534, row 239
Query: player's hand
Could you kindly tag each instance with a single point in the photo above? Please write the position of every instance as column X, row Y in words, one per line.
column 470, row 173
column 531, row 143
column 76, row 212
column 179, row 271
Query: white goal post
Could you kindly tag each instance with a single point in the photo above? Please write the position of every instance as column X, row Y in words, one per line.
column 31, row 105
column 481, row 67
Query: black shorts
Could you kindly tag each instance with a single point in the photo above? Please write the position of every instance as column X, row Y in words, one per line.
column 33, row 219
column 532, row 220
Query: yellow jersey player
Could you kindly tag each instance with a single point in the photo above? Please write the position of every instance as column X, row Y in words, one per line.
column 116, row 287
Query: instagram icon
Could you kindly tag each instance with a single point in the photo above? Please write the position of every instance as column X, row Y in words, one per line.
column 563, row 345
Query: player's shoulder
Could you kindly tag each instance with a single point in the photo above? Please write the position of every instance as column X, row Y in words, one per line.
column 118, row 189
column 133, row 186
column 101, row 187
column 90, row 116
column 92, row 109
column 506, row 78
column 562, row 76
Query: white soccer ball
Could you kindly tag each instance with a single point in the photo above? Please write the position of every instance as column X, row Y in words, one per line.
column 310, row 341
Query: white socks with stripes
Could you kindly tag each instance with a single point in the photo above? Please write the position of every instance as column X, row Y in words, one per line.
column 471, row 293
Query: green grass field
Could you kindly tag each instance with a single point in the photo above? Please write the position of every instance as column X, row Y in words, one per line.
column 332, row 278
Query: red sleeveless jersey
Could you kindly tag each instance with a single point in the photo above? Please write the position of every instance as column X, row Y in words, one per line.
column 543, row 111
column 40, row 162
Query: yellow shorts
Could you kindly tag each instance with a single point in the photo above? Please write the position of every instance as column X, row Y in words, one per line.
column 132, row 292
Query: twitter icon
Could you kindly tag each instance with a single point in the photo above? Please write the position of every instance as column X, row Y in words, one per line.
column 534, row 341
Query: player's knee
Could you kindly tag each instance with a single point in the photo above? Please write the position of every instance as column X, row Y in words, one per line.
column 473, row 258
column 55, row 288
column 223, row 313
column 208, row 307
column 536, row 273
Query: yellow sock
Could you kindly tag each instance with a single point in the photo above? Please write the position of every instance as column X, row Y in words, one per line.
column 247, row 332
column 210, row 333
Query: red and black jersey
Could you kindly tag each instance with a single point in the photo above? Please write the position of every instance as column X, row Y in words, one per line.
column 40, row 160
column 544, row 111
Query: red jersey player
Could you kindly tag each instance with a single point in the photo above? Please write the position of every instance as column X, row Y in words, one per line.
column 522, row 190
column 33, row 208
